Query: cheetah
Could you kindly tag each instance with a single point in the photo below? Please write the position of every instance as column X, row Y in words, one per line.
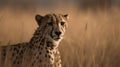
column 42, row 49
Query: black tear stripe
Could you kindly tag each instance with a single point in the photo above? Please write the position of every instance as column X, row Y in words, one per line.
column 52, row 31
column 52, row 27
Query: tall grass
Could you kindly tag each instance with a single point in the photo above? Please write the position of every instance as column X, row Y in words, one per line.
column 92, row 39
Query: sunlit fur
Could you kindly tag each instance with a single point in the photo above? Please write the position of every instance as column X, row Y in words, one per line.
column 42, row 49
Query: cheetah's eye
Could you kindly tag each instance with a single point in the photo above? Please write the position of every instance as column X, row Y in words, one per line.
column 62, row 23
column 50, row 23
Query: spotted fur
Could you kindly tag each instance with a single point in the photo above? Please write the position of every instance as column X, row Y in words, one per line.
column 42, row 49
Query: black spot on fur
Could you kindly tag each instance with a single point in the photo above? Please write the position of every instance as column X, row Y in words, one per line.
column 49, row 56
column 45, row 47
column 32, row 64
column 14, row 49
column 41, row 48
column 14, row 62
column 18, row 62
column 47, row 51
column 38, row 47
column 40, row 53
column 50, row 52
column 4, row 54
column 21, row 52
column 51, row 48
column 13, row 54
column 48, row 45
column 40, row 60
column 45, row 55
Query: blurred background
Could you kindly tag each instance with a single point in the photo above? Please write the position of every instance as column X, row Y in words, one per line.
column 93, row 36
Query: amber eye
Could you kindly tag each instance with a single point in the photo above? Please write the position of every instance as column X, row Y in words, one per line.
column 50, row 23
column 62, row 23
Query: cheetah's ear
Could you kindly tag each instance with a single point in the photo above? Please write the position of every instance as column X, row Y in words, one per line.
column 38, row 19
column 66, row 16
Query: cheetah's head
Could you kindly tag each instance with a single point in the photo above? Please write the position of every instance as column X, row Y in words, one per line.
column 55, row 25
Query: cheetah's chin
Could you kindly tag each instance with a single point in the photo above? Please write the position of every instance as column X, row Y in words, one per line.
column 54, row 38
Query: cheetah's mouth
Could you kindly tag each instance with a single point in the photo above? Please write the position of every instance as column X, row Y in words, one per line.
column 56, row 37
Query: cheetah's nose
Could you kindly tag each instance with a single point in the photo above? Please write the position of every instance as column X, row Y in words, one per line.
column 58, row 33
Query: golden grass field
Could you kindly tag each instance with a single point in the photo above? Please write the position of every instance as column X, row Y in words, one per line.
column 92, row 38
